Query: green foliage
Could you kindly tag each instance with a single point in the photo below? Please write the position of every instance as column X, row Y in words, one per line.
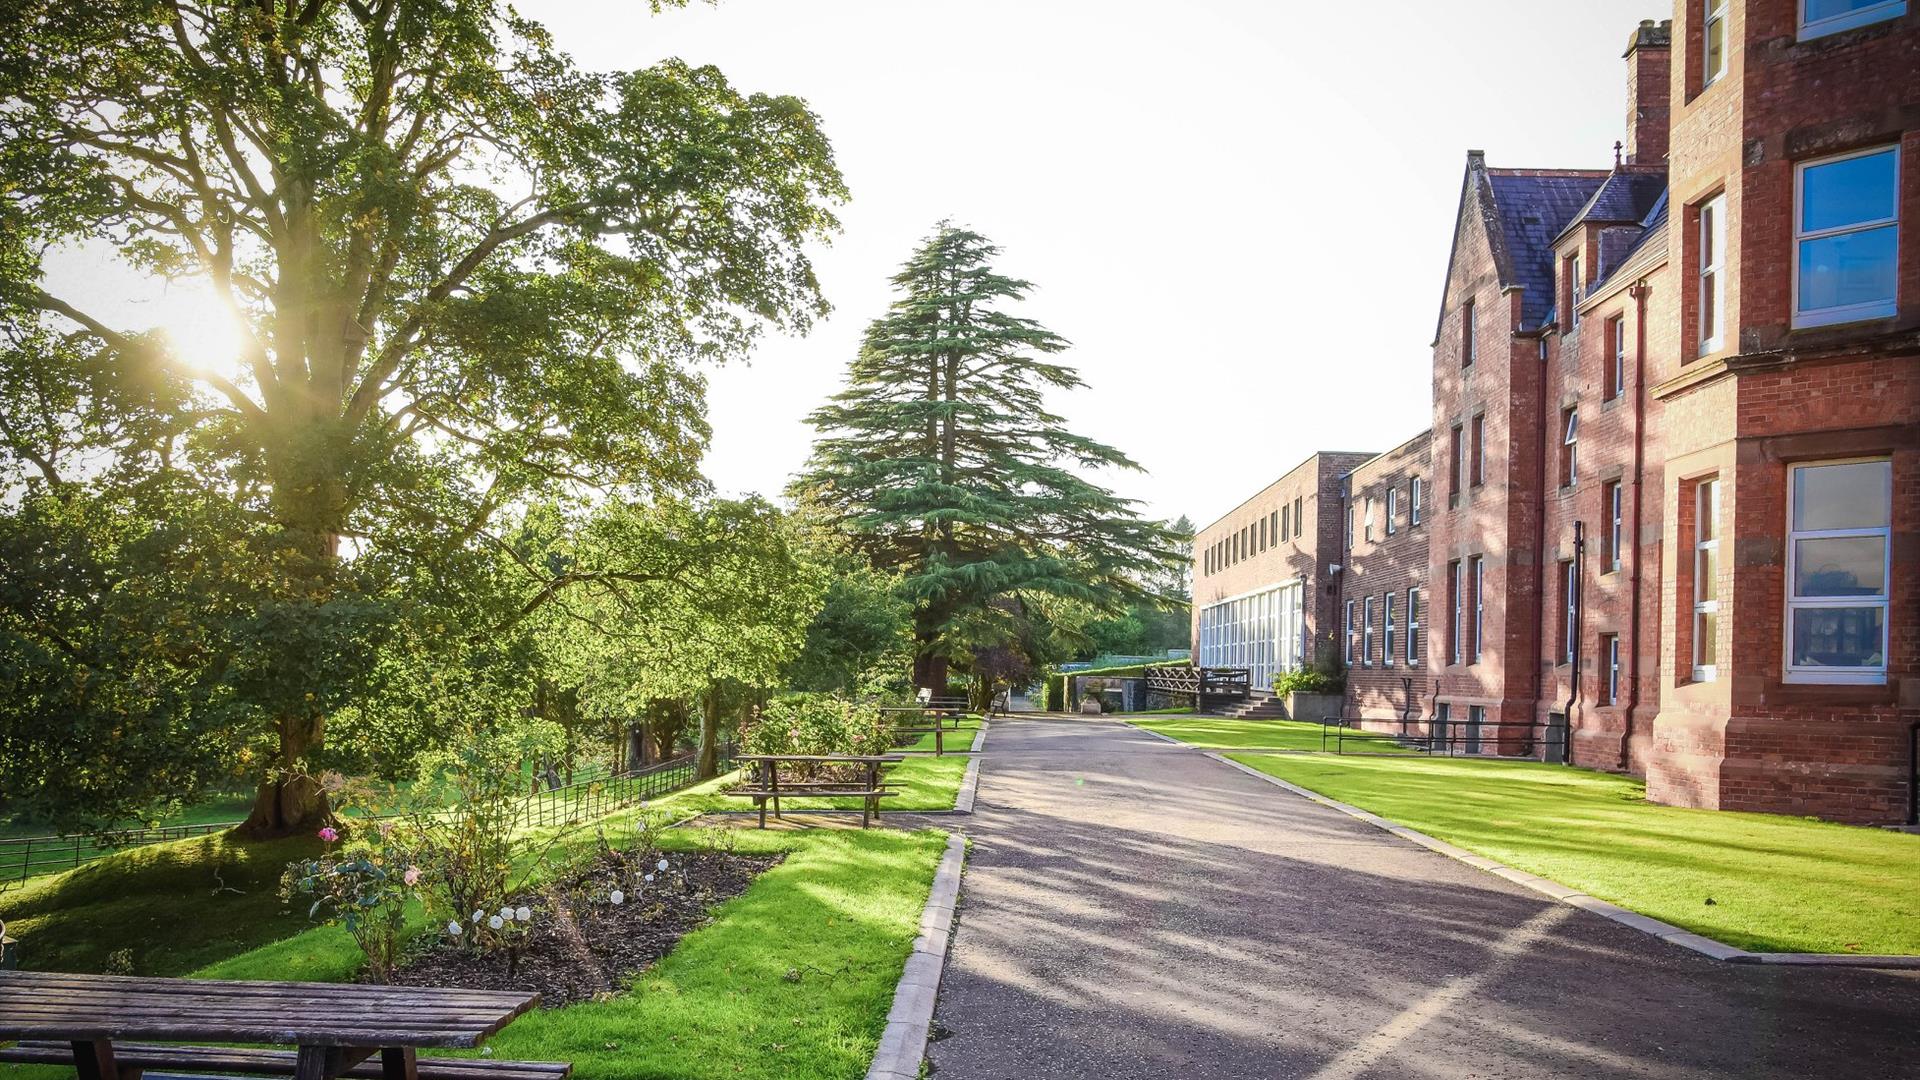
column 942, row 462
column 469, row 849
column 465, row 274
column 817, row 724
column 1056, row 693
column 860, row 640
column 1309, row 681
column 366, row 888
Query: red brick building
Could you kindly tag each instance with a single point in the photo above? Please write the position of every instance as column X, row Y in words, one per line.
column 1383, row 583
column 1679, row 412
column 1263, row 597
column 1672, row 520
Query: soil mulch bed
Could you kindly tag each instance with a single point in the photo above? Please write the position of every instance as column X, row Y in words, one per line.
column 567, row 959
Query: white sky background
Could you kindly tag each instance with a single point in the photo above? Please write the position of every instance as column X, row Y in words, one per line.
column 1238, row 211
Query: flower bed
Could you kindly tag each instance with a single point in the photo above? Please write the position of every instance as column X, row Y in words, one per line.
column 587, row 937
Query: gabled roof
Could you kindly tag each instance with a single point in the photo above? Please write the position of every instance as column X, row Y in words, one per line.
column 1535, row 207
column 1626, row 197
column 1523, row 210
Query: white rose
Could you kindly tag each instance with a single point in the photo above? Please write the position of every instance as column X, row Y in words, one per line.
column 649, row 877
column 661, row 865
column 617, row 897
column 496, row 922
column 523, row 913
column 454, row 928
column 478, row 914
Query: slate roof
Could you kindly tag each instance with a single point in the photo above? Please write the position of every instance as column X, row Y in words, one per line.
column 1653, row 225
column 1625, row 197
column 1535, row 207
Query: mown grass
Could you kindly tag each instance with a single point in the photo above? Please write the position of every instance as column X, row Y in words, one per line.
column 1226, row 733
column 1763, row 882
column 793, row 978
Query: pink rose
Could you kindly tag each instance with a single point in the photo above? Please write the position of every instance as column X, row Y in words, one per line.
column 329, row 834
column 412, row 876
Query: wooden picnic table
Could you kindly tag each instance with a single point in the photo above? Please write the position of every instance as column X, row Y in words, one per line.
column 766, row 785
column 334, row 1026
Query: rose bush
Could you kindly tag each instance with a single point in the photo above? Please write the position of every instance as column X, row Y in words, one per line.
column 817, row 724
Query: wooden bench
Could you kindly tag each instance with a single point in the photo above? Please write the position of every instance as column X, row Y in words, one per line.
column 938, row 732
column 764, row 784
column 112, row 1027
column 157, row 1061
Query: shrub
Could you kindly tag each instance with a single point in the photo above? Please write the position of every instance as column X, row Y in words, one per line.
column 1308, row 681
column 365, row 887
column 1056, row 693
column 817, row 724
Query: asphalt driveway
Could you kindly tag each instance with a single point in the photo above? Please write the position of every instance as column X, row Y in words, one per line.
column 1133, row 909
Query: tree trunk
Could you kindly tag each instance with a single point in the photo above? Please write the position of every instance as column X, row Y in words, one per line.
column 289, row 800
column 709, row 763
column 930, row 670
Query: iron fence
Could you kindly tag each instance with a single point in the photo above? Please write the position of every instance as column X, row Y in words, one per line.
column 593, row 793
column 584, row 800
column 25, row 856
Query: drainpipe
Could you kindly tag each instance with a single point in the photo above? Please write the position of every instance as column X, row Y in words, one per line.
column 1540, row 547
column 1578, row 616
column 1639, row 292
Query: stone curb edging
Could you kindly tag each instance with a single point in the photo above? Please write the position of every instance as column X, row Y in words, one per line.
column 910, row 1022
column 1700, row 943
column 980, row 736
column 970, row 783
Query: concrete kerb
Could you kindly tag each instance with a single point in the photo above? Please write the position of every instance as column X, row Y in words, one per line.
column 970, row 783
column 909, row 1023
column 1664, row 931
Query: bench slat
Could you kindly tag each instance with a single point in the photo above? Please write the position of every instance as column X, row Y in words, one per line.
column 240, row 1060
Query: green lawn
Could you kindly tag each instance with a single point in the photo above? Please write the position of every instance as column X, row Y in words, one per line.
column 1226, row 733
column 1762, row 882
column 793, row 978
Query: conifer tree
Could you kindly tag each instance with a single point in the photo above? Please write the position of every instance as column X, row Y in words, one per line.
column 942, row 462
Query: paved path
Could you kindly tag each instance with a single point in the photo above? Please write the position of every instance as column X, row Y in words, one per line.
column 1134, row 909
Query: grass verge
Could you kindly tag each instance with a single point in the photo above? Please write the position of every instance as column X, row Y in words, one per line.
column 1226, row 733
column 793, row 978
column 1762, row 882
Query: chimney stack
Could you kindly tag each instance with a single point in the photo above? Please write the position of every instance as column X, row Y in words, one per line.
column 1649, row 91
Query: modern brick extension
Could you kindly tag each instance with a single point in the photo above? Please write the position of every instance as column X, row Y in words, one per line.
column 1706, row 359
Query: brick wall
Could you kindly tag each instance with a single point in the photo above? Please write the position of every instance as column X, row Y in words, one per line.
column 1381, row 683
column 1295, row 548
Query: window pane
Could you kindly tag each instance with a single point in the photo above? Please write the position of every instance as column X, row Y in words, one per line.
column 1840, row 566
column 1706, row 574
column 1848, row 269
column 1848, row 496
column 1706, row 638
column 1847, row 192
column 1838, row 637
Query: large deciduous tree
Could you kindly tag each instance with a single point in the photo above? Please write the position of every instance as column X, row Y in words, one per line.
column 944, row 463
column 464, row 272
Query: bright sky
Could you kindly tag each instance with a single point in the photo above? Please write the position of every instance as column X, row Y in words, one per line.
column 1237, row 210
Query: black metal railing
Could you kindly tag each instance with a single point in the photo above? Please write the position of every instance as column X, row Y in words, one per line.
column 25, row 856
column 593, row 793
column 584, row 800
column 1530, row 741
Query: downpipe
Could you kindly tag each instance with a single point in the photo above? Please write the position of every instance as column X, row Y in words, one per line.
column 1577, row 618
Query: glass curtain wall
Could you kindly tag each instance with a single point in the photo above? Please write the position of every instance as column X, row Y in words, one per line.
column 1259, row 632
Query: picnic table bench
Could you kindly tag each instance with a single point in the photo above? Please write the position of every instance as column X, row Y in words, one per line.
column 765, row 785
column 938, row 714
column 939, row 733
column 91, row 1022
